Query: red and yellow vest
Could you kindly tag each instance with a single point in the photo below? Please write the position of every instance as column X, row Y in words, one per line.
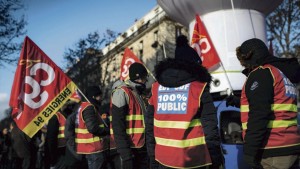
column 134, row 122
column 61, row 140
column 283, row 129
column 179, row 136
column 86, row 142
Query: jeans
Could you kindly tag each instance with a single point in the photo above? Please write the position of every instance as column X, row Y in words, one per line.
column 97, row 160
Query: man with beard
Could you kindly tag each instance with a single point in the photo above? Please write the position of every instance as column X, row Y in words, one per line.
column 181, row 119
column 128, row 131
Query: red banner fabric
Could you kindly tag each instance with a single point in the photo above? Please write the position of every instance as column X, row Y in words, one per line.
column 128, row 58
column 39, row 89
column 202, row 43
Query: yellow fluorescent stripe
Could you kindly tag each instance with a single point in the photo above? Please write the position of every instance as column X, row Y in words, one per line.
column 132, row 117
column 286, row 107
column 177, row 124
column 132, row 131
column 180, row 143
column 277, row 123
column 61, row 136
column 85, row 131
column 274, row 107
column 90, row 140
column 62, row 128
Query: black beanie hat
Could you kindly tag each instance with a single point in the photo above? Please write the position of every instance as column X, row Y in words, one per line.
column 93, row 91
column 137, row 70
column 256, row 49
column 184, row 52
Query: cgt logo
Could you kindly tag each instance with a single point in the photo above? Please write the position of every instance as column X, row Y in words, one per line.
column 126, row 66
column 36, row 98
column 202, row 47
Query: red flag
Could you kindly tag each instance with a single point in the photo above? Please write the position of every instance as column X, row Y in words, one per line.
column 128, row 59
column 40, row 88
column 202, row 43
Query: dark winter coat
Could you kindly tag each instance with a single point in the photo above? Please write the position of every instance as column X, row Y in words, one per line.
column 260, row 101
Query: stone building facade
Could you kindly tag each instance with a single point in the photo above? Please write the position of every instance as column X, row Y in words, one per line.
column 151, row 39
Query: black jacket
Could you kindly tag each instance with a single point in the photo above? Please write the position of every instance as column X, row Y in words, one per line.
column 171, row 73
column 52, row 140
column 260, row 98
column 92, row 123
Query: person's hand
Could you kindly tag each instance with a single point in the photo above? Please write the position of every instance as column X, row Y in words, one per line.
column 127, row 164
column 233, row 100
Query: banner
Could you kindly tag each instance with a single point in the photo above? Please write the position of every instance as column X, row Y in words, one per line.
column 39, row 89
column 128, row 59
column 202, row 43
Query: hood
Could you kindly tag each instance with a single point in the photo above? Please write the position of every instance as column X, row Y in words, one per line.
column 288, row 66
column 174, row 73
column 117, row 84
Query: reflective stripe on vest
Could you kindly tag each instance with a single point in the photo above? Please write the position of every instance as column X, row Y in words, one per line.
column 285, row 112
column 134, row 122
column 87, row 143
column 179, row 136
column 61, row 140
column 132, row 130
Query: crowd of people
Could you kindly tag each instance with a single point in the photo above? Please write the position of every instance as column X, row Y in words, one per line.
column 175, row 126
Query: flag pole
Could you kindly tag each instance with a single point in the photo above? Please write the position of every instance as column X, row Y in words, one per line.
column 227, row 78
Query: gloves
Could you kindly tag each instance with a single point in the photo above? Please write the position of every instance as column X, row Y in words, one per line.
column 232, row 100
column 252, row 161
column 127, row 164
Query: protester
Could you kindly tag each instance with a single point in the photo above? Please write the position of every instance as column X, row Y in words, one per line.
column 24, row 147
column 73, row 160
column 269, row 107
column 5, row 144
column 92, row 133
column 40, row 142
column 55, row 138
column 128, row 129
column 181, row 120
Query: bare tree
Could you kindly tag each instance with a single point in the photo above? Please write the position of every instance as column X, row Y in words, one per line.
column 93, row 41
column 82, row 62
column 11, row 28
column 283, row 26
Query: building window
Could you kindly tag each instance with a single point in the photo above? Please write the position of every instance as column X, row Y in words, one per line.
column 141, row 47
column 155, row 36
column 177, row 31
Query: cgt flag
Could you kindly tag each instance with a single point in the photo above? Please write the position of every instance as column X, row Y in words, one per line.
column 128, row 59
column 39, row 89
column 202, row 43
